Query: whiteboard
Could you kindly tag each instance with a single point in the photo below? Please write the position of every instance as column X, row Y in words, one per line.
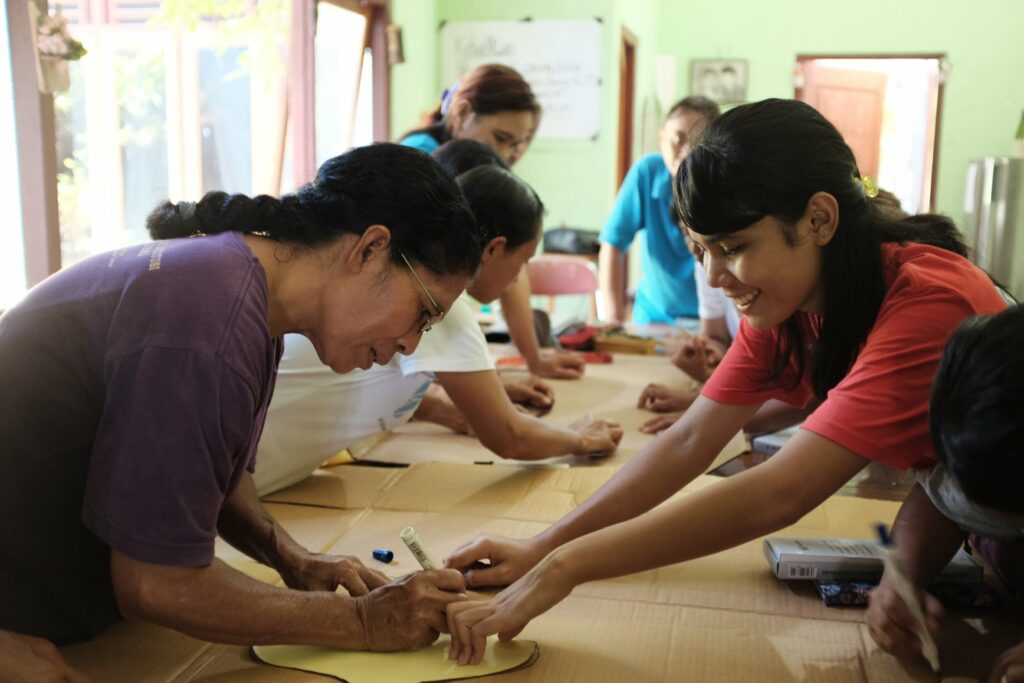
column 560, row 59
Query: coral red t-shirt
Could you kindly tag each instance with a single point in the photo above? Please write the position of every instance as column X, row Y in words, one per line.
column 880, row 409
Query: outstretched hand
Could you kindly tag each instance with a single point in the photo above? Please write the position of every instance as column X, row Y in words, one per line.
column 698, row 356
column 600, row 437
column 507, row 614
column 560, row 365
column 661, row 399
column 489, row 560
column 530, row 392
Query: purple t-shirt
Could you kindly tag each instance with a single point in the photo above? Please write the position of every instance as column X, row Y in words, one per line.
column 134, row 389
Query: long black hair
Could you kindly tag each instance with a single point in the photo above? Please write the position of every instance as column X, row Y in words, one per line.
column 504, row 205
column 767, row 159
column 975, row 417
column 381, row 184
column 459, row 156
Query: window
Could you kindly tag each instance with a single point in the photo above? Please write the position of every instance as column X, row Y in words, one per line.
column 173, row 102
column 157, row 111
column 12, row 245
column 344, row 81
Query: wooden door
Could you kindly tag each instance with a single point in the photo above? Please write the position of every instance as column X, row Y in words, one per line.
column 854, row 102
column 627, row 95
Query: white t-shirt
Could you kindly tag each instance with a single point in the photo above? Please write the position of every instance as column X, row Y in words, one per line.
column 315, row 412
column 713, row 303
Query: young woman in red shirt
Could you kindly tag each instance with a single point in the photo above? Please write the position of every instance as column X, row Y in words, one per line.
column 840, row 302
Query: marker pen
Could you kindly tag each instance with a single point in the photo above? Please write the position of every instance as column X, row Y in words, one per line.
column 412, row 541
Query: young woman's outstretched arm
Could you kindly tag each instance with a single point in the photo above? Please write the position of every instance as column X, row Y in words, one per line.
column 605, row 538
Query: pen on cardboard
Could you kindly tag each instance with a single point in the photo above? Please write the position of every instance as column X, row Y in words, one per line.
column 422, row 555
column 898, row 575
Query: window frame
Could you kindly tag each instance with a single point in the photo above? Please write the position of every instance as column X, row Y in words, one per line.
column 36, row 122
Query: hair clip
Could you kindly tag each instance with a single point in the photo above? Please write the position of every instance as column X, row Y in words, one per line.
column 446, row 99
column 870, row 186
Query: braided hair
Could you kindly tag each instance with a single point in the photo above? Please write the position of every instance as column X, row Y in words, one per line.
column 380, row 184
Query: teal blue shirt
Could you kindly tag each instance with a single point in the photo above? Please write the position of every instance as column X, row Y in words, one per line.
column 421, row 141
column 666, row 290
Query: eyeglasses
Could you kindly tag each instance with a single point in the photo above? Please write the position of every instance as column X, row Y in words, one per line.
column 432, row 318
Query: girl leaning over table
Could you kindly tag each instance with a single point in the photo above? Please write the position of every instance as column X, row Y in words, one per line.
column 840, row 302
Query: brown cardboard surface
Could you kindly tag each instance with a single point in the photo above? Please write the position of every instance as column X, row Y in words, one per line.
column 606, row 391
column 610, row 392
column 739, row 578
column 136, row 652
column 719, row 618
column 347, row 487
column 597, row 641
column 506, row 492
column 723, row 617
column 586, row 639
column 439, row 532
column 737, row 581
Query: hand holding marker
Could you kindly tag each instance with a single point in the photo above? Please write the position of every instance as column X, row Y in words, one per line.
column 898, row 575
column 412, row 541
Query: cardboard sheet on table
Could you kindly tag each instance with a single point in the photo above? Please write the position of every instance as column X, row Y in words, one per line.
column 739, row 578
column 439, row 532
column 419, row 666
column 347, row 487
column 606, row 641
column 133, row 651
column 419, row 442
column 543, row 495
column 606, row 392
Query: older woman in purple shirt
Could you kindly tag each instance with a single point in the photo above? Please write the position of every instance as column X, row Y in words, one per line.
column 134, row 389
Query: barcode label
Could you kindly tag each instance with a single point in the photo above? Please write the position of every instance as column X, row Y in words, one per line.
column 802, row 572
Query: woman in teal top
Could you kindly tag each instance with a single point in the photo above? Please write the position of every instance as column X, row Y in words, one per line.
column 666, row 290
column 492, row 104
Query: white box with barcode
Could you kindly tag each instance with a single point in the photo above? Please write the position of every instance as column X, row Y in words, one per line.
column 844, row 559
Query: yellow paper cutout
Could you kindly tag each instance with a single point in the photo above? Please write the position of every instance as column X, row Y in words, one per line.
column 419, row 666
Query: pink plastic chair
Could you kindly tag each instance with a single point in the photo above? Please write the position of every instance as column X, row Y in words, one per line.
column 552, row 275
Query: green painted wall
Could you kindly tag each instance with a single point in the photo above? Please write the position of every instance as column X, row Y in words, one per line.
column 575, row 179
column 414, row 83
column 982, row 39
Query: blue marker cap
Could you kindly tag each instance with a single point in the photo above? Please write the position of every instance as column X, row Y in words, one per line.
column 383, row 555
column 883, row 534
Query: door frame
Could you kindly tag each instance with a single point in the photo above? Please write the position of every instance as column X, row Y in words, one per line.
column 937, row 114
column 627, row 99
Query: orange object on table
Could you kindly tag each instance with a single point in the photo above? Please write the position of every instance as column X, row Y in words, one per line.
column 599, row 357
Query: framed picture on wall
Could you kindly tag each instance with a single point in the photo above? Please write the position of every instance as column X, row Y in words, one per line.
column 722, row 80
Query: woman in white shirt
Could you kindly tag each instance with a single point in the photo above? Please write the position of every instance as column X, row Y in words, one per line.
column 315, row 413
